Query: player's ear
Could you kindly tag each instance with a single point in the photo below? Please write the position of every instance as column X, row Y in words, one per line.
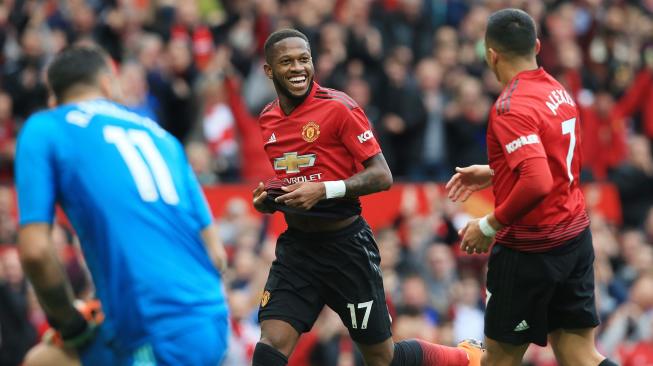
column 268, row 70
column 491, row 57
column 52, row 100
column 104, row 83
column 538, row 46
column 109, row 86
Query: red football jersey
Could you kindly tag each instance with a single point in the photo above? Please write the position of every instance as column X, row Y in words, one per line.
column 536, row 117
column 326, row 137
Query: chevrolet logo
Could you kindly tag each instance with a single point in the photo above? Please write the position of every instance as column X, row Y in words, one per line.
column 291, row 162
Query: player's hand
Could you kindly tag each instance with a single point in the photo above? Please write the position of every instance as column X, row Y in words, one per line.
column 91, row 312
column 220, row 261
column 468, row 180
column 473, row 239
column 302, row 195
column 219, row 257
column 259, row 194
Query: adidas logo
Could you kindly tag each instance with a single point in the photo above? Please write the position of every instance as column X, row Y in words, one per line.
column 272, row 139
column 521, row 326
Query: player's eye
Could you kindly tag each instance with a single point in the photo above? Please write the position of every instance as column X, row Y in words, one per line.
column 285, row 62
column 304, row 59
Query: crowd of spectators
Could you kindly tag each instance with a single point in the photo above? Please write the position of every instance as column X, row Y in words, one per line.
column 417, row 69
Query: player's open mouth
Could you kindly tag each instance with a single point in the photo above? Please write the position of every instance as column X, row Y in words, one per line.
column 298, row 81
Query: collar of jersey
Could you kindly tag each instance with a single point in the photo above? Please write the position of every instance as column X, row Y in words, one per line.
column 529, row 74
column 526, row 74
column 90, row 100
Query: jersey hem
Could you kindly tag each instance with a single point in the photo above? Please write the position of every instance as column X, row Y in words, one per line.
column 152, row 338
column 26, row 222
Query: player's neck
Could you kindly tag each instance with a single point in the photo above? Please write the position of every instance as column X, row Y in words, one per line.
column 82, row 96
column 288, row 103
column 509, row 70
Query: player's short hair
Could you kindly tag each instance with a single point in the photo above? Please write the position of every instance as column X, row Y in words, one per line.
column 75, row 66
column 279, row 36
column 511, row 31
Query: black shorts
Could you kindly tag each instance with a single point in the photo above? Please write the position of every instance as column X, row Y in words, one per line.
column 533, row 294
column 338, row 269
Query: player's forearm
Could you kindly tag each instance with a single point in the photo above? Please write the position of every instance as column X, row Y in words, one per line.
column 43, row 269
column 376, row 177
column 367, row 182
column 214, row 247
column 535, row 182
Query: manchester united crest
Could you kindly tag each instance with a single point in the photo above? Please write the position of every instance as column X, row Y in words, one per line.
column 310, row 131
column 265, row 298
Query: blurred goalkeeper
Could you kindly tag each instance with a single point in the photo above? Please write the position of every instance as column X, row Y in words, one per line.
column 540, row 277
column 144, row 225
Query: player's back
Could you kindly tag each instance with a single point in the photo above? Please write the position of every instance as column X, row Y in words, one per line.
column 133, row 200
column 536, row 117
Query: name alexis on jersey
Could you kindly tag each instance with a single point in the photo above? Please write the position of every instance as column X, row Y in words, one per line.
column 558, row 97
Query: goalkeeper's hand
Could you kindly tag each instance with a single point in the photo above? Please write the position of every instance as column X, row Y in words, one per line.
column 79, row 332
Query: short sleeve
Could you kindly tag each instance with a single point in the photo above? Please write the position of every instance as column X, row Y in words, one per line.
column 35, row 172
column 357, row 135
column 519, row 138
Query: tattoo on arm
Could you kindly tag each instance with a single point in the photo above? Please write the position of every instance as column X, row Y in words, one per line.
column 374, row 178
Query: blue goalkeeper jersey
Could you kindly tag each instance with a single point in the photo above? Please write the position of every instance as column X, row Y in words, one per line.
column 135, row 203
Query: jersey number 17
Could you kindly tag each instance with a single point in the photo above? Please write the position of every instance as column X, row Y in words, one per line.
column 149, row 170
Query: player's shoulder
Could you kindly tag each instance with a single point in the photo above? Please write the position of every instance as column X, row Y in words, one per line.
column 40, row 123
column 39, row 118
column 512, row 98
column 336, row 99
column 269, row 108
column 110, row 112
column 510, row 112
column 523, row 97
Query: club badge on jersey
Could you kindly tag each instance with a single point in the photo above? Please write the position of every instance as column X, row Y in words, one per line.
column 310, row 131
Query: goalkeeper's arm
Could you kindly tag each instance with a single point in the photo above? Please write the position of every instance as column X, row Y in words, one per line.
column 52, row 287
column 214, row 247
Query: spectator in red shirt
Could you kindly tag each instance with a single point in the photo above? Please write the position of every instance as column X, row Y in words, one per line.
column 605, row 120
column 189, row 28
column 255, row 165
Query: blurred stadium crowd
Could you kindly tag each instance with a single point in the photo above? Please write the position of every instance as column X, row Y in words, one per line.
column 417, row 68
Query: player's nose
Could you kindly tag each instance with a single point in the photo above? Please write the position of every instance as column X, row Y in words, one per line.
column 296, row 67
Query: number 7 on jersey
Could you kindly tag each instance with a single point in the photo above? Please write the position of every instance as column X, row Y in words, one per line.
column 569, row 127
